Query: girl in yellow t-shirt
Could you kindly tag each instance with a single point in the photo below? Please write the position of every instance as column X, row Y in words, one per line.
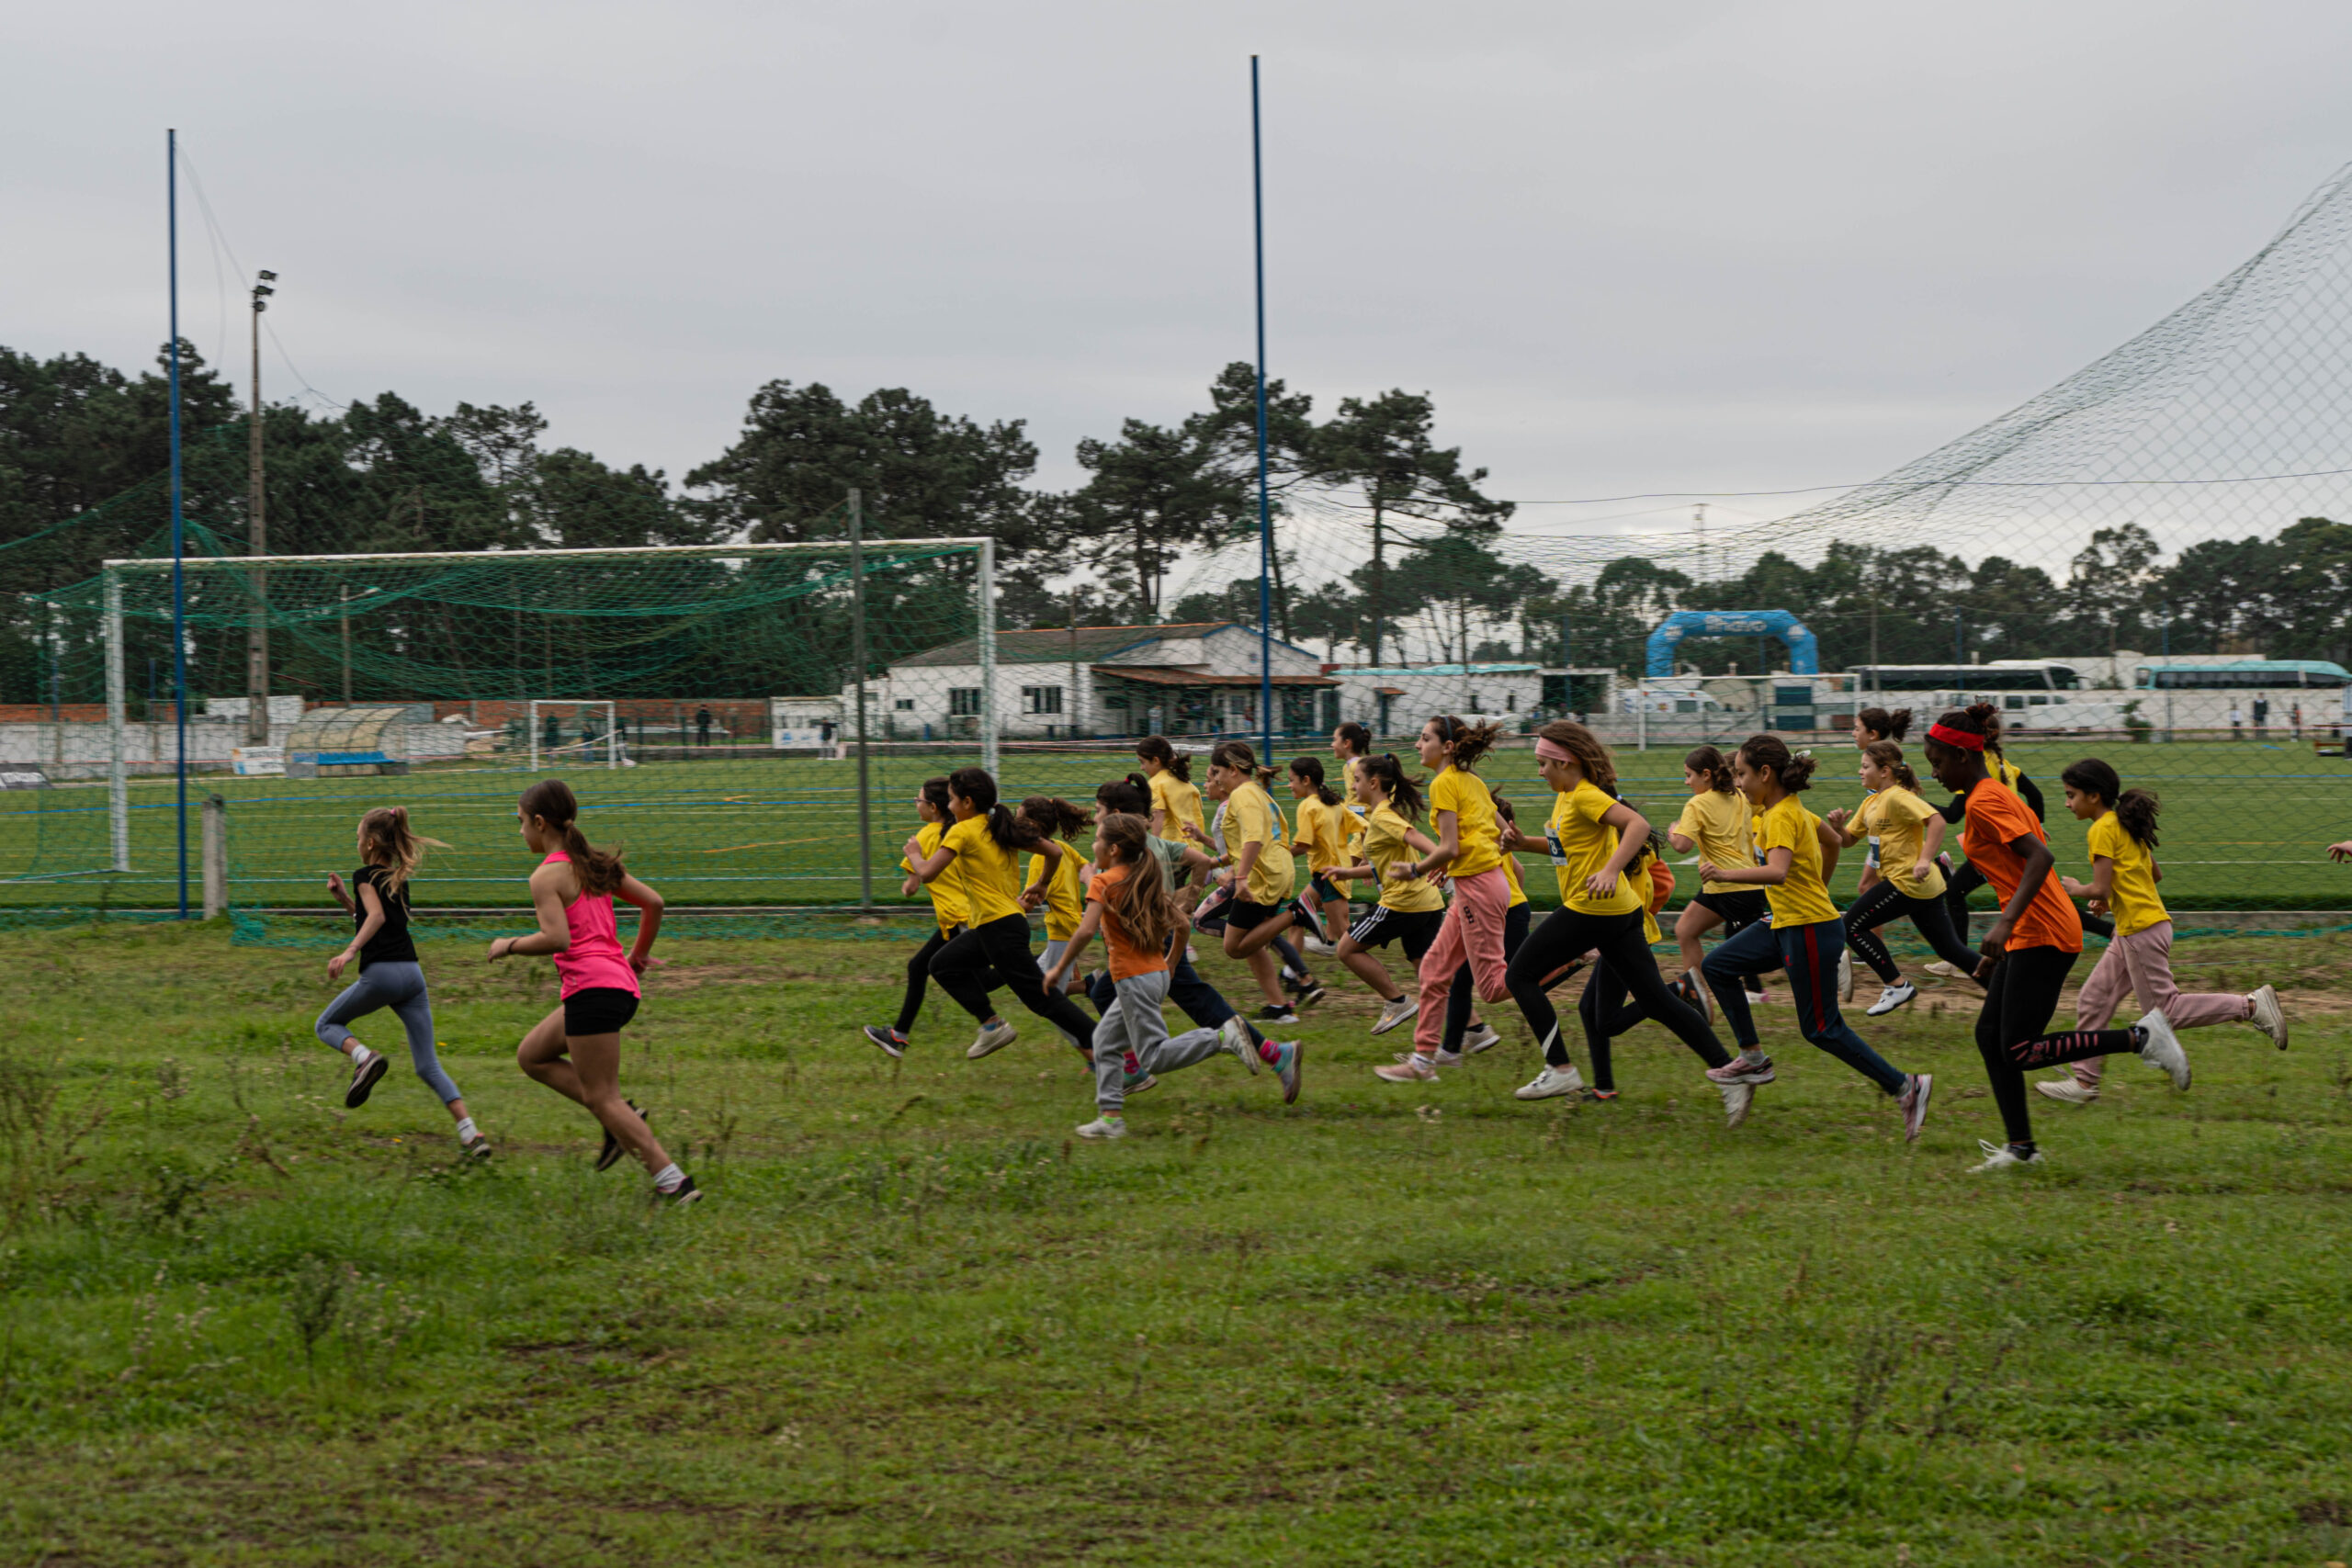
column 978, row 852
column 1466, row 1035
column 2138, row 961
column 1264, row 903
column 1175, row 799
column 1806, row 938
column 947, row 908
column 1715, row 822
column 1325, row 824
column 1064, row 896
column 1904, row 834
column 1462, row 819
column 1408, row 911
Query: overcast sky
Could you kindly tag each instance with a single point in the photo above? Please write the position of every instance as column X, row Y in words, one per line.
column 1700, row 247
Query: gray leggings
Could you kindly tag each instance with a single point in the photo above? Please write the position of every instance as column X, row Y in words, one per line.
column 400, row 987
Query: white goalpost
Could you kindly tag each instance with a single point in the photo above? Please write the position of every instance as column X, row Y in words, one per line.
column 610, row 736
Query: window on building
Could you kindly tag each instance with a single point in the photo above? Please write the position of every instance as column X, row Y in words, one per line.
column 1511, row 702
column 964, row 700
column 1041, row 699
column 906, row 705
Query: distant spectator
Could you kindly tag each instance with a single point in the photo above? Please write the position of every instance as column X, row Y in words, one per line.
column 2237, row 721
column 2261, row 716
column 2295, row 719
column 702, row 727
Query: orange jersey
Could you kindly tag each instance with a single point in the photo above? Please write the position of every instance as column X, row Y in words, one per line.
column 1997, row 816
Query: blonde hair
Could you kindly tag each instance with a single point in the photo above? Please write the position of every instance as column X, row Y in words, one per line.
column 387, row 842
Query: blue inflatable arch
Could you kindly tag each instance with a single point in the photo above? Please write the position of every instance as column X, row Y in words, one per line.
column 1804, row 651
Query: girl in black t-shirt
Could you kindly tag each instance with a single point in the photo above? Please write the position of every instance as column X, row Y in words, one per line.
column 390, row 976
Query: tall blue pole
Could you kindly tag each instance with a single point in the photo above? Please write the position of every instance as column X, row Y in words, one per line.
column 1265, row 504
column 179, row 599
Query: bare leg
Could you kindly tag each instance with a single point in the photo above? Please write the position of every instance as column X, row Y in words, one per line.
column 1694, row 923
column 1365, row 966
column 592, row 1076
column 1242, row 945
column 1267, row 970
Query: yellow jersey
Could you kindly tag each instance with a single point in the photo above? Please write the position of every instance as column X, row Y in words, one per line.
column 2132, row 892
column 1719, row 823
column 1581, row 846
column 1466, row 796
column 1510, row 874
column 1384, row 846
column 946, row 893
column 1802, row 900
column 1179, row 800
column 986, row 873
column 1250, row 818
column 1322, row 833
column 1065, row 899
column 1896, row 820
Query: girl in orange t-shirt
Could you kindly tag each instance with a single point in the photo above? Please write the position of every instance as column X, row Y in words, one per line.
column 2033, row 945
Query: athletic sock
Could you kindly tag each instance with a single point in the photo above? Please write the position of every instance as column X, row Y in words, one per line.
column 1133, row 1063
column 1267, row 1050
column 466, row 1133
column 360, row 1055
column 669, row 1179
column 1752, row 1053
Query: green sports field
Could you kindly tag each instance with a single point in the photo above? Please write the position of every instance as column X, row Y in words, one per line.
column 916, row 1322
column 2244, row 824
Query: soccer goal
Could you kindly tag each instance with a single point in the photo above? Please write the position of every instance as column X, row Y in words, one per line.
column 652, row 678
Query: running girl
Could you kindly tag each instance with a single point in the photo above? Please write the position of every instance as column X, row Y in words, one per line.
column 1262, row 907
column 947, row 910
column 1716, row 822
column 2138, row 960
column 1408, row 910
column 576, row 1049
column 979, row 851
column 1592, row 837
column 1324, row 822
column 1062, row 895
column 1351, row 744
column 1966, row 878
column 1128, row 901
column 1605, row 1008
column 1466, row 1035
column 1871, row 725
column 389, row 974
column 1175, row 798
column 1461, row 815
column 1805, row 937
column 2033, row 945
column 1905, row 833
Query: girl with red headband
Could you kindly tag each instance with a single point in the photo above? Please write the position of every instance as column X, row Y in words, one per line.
column 2033, row 945
column 1806, row 936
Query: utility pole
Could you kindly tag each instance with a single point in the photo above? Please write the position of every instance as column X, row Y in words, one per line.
column 1072, row 716
column 857, row 674
column 257, row 544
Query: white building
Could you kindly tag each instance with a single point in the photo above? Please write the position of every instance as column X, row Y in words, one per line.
column 1200, row 679
column 1399, row 699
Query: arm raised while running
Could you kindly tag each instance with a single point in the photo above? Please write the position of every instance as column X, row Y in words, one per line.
column 1051, row 853
column 927, row 867
column 1772, row 873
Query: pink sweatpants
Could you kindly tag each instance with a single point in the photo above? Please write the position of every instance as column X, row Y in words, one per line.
column 2141, row 964
column 1472, row 933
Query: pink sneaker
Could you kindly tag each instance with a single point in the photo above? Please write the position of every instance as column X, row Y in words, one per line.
column 1418, row 1069
column 1740, row 1070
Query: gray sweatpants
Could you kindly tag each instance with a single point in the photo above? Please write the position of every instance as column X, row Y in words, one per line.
column 1133, row 1022
column 400, row 987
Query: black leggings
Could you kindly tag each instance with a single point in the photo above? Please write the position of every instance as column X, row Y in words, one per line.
column 1966, row 879
column 1567, row 935
column 1883, row 901
column 919, row 977
column 2020, row 1001
column 1607, row 1009
column 998, row 954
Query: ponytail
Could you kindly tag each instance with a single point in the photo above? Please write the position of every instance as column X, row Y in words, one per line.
column 1404, row 794
column 1708, row 761
column 1358, row 738
column 1888, row 755
column 1007, row 827
column 1885, row 724
column 2134, row 808
column 1056, row 817
column 1130, row 795
column 1769, row 753
column 599, row 870
column 1311, row 769
column 388, row 843
column 1155, row 748
column 1468, row 742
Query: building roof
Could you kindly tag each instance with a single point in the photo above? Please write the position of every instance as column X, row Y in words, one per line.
column 1059, row 644
column 1161, row 675
column 1361, row 672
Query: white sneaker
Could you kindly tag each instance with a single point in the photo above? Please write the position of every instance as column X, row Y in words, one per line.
column 1317, row 946
column 2069, row 1089
column 1845, row 974
column 992, row 1038
column 1894, row 996
column 2000, row 1156
column 1104, row 1127
column 2163, row 1049
column 1948, row 972
column 1413, row 1069
column 1234, row 1035
column 1551, row 1083
column 1482, row 1038
column 2268, row 1015
column 1402, row 1010
column 1739, row 1098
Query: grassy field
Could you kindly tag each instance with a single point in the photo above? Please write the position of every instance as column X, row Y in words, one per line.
column 915, row 1322
column 2244, row 825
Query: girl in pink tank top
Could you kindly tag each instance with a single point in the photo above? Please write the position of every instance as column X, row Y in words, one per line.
column 576, row 1049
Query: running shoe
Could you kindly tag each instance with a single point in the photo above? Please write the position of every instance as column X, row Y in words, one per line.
column 1310, row 920
column 1948, row 972
column 1418, row 1069
column 1234, row 1035
column 2268, row 1015
column 2069, row 1089
column 1738, row 1099
column 1740, row 1070
column 1444, row 1058
column 992, row 1038
column 1309, row 993
column 683, row 1193
column 1482, row 1038
column 1317, row 946
column 1914, row 1101
column 475, row 1147
column 890, row 1042
column 1289, row 1056
column 1104, row 1128
column 2004, row 1156
column 1134, row 1086
column 1698, row 995
column 1278, row 1012
column 1845, row 974
column 2161, row 1048
column 1893, row 996
column 1603, row 1094
column 1402, row 1010
column 611, row 1151
column 1551, row 1083
column 364, row 1077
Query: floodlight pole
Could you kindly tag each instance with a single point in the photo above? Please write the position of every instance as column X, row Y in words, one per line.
column 257, row 544
column 857, row 674
column 1265, row 507
column 179, row 597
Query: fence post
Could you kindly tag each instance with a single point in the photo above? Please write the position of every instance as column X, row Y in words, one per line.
column 118, row 716
column 216, row 855
column 986, row 588
column 857, row 676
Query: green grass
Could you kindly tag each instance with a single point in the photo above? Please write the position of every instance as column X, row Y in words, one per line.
column 916, row 1322
column 2246, row 825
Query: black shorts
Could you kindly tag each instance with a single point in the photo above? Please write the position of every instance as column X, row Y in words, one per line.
column 1416, row 929
column 1739, row 910
column 1243, row 915
column 599, row 1009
